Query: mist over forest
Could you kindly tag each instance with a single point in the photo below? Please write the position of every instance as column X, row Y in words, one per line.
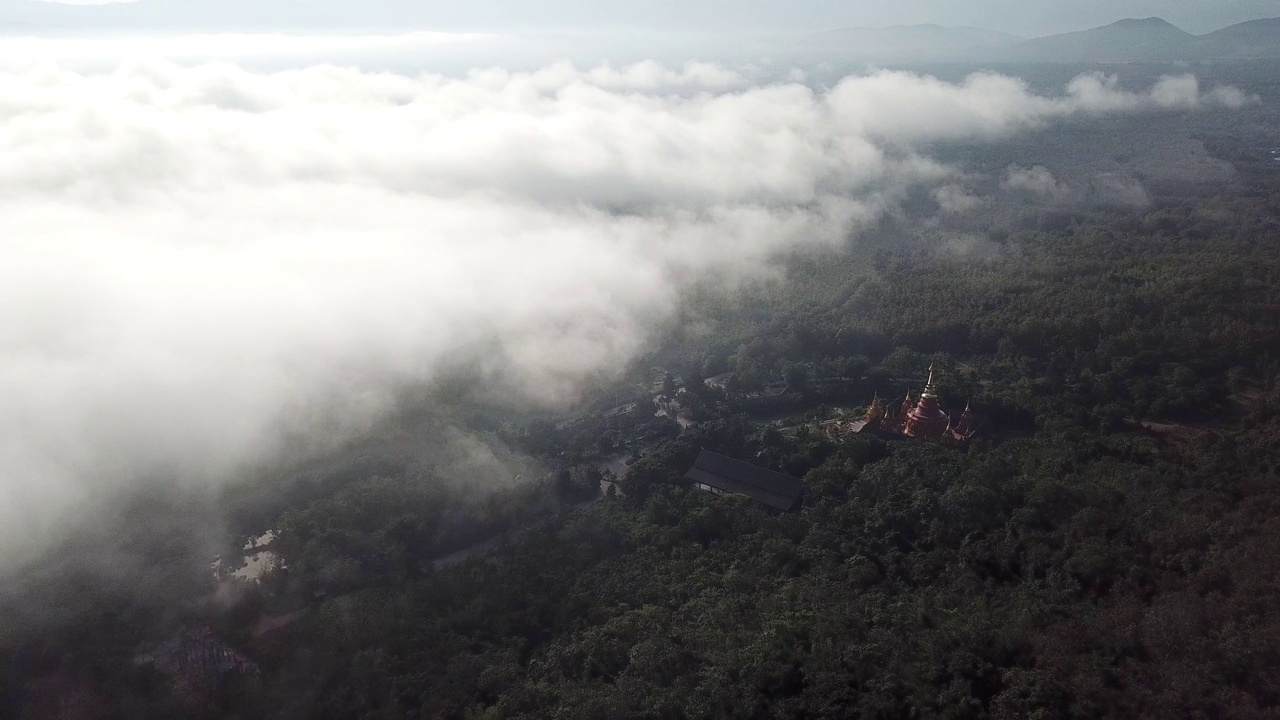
column 375, row 373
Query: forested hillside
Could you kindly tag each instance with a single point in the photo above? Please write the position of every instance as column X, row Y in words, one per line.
column 1069, row 565
column 1108, row 547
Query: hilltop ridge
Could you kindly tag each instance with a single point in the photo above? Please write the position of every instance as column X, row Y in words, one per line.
column 1140, row 39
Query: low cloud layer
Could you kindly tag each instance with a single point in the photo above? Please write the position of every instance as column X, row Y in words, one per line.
column 1113, row 189
column 203, row 264
column 1037, row 181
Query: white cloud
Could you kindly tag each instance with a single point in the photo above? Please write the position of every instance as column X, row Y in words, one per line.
column 900, row 107
column 956, row 200
column 202, row 262
column 1035, row 180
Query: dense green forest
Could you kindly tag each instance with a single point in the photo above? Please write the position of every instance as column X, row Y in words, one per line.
column 1068, row 565
column 1109, row 547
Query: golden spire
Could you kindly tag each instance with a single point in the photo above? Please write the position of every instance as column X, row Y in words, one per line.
column 929, row 389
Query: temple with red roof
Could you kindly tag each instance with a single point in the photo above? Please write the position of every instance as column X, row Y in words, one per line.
column 921, row 419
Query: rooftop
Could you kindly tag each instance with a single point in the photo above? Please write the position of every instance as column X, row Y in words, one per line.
column 778, row 491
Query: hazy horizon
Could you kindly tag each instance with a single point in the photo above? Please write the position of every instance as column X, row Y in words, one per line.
column 706, row 16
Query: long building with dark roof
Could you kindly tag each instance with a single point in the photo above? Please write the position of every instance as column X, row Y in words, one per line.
column 719, row 474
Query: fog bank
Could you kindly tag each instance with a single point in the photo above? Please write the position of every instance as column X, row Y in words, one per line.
column 204, row 264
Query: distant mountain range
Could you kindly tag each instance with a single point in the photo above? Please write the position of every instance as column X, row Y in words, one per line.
column 1150, row 40
column 1137, row 40
column 1131, row 40
column 1252, row 39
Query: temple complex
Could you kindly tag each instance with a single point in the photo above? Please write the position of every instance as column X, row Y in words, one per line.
column 921, row 419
